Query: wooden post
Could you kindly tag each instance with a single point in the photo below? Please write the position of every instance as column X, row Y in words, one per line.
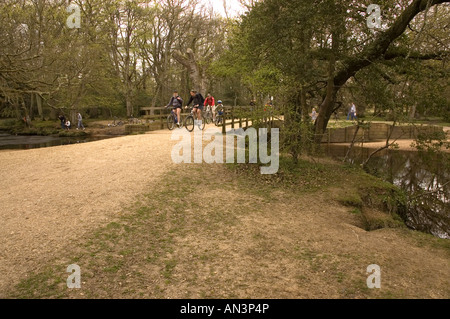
column 246, row 119
column 232, row 117
column 240, row 117
column 224, row 120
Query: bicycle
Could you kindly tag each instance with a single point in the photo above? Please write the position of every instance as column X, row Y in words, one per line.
column 172, row 120
column 189, row 121
column 219, row 118
column 208, row 116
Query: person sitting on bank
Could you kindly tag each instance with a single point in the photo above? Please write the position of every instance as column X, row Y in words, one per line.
column 68, row 125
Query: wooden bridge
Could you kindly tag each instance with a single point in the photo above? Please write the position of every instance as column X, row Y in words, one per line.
column 247, row 116
column 234, row 117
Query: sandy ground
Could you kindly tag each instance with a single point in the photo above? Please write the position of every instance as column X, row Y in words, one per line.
column 50, row 196
column 404, row 145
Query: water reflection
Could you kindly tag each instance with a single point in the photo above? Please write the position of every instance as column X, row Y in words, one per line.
column 424, row 176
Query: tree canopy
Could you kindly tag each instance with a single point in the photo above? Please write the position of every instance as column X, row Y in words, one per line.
column 323, row 54
column 120, row 56
column 131, row 53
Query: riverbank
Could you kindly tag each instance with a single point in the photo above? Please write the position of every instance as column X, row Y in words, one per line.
column 120, row 209
column 400, row 144
column 52, row 128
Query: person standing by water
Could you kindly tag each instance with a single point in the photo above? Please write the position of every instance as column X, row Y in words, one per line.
column 314, row 114
column 62, row 118
column 352, row 113
column 80, row 121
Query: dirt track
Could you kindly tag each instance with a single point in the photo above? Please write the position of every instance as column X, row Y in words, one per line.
column 47, row 194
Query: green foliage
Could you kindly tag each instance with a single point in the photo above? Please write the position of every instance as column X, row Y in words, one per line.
column 285, row 49
column 118, row 60
column 296, row 136
column 434, row 142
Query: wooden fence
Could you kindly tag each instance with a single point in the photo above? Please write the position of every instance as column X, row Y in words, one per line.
column 246, row 116
column 377, row 132
column 234, row 117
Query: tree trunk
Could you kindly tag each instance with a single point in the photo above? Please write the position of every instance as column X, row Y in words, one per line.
column 326, row 108
column 304, row 109
column 39, row 106
column 32, row 102
column 196, row 73
column 129, row 104
column 412, row 111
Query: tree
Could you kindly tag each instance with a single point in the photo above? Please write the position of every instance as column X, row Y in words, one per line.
column 314, row 50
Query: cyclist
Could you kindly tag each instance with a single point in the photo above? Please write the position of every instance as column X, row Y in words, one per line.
column 211, row 105
column 177, row 103
column 198, row 102
column 219, row 109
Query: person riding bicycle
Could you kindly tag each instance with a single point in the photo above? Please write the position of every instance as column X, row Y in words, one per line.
column 198, row 102
column 210, row 105
column 219, row 108
column 177, row 103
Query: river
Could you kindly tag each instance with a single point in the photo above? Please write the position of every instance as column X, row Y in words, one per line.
column 20, row 142
column 425, row 178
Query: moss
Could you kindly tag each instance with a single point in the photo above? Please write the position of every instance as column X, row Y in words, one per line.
column 382, row 204
column 351, row 199
column 375, row 219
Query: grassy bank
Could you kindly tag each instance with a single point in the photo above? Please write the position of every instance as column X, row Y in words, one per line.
column 41, row 128
column 225, row 231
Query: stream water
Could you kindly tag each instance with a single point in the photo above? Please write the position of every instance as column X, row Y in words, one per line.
column 423, row 176
column 19, row 142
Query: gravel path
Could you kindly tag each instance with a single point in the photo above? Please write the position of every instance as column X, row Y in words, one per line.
column 50, row 196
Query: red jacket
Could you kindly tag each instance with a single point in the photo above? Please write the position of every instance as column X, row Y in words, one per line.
column 210, row 101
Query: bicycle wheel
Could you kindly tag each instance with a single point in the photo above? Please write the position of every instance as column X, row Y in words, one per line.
column 171, row 122
column 218, row 120
column 189, row 123
column 203, row 123
column 208, row 118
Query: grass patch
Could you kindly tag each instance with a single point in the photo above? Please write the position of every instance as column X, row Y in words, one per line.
column 307, row 176
column 45, row 284
column 352, row 200
column 238, row 238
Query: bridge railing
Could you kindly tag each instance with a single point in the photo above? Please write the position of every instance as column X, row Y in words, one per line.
column 233, row 117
